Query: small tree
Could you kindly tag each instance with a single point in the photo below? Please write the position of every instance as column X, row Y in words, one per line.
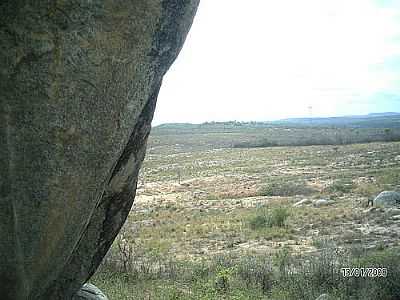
column 388, row 134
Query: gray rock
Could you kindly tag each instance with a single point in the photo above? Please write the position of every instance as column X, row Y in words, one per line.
column 392, row 212
column 302, row 202
column 369, row 210
column 78, row 87
column 323, row 297
column 89, row 292
column 387, row 199
column 322, row 202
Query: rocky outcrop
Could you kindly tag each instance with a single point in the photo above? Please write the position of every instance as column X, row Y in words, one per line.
column 78, row 86
column 89, row 292
column 387, row 199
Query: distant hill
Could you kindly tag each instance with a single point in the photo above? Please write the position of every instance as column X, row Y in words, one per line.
column 184, row 137
column 385, row 114
column 373, row 120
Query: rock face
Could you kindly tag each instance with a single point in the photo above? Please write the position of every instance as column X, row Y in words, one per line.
column 387, row 199
column 89, row 292
column 78, row 87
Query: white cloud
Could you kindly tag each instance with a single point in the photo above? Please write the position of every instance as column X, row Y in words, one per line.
column 268, row 59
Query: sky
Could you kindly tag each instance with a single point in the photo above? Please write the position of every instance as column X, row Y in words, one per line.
column 260, row 60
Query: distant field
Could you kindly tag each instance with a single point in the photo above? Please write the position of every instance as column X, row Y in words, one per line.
column 214, row 219
column 189, row 137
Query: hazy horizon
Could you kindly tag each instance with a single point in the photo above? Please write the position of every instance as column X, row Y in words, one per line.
column 270, row 60
column 266, row 121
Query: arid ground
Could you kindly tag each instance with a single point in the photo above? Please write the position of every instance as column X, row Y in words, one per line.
column 195, row 204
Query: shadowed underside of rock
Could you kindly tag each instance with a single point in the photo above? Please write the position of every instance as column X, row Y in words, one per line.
column 78, row 87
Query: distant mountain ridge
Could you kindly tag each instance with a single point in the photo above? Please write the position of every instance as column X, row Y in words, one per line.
column 370, row 115
column 372, row 120
column 385, row 114
column 378, row 120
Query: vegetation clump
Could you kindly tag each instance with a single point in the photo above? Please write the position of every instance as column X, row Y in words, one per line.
column 286, row 189
column 282, row 276
column 275, row 217
column 219, row 232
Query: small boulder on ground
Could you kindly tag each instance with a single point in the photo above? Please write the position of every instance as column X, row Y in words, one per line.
column 387, row 199
column 323, row 202
column 302, row 202
column 90, row 292
column 323, row 297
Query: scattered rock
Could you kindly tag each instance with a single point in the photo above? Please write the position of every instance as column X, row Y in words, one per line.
column 90, row 292
column 302, row 202
column 369, row 210
column 323, row 202
column 387, row 199
column 199, row 194
column 323, row 297
column 186, row 184
column 392, row 212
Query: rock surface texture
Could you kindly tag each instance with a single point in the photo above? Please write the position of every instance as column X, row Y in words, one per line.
column 89, row 292
column 387, row 199
column 323, row 297
column 78, row 87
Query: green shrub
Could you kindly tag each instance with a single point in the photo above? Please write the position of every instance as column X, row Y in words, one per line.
column 256, row 271
column 286, row 189
column 389, row 179
column 258, row 222
column 278, row 216
column 368, row 189
column 341, row 186
column 280, row 277
column 275, row 217
column 223, row 279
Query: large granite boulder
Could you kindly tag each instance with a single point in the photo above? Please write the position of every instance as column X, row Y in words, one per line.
column 387, row 199
column 78, row 87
